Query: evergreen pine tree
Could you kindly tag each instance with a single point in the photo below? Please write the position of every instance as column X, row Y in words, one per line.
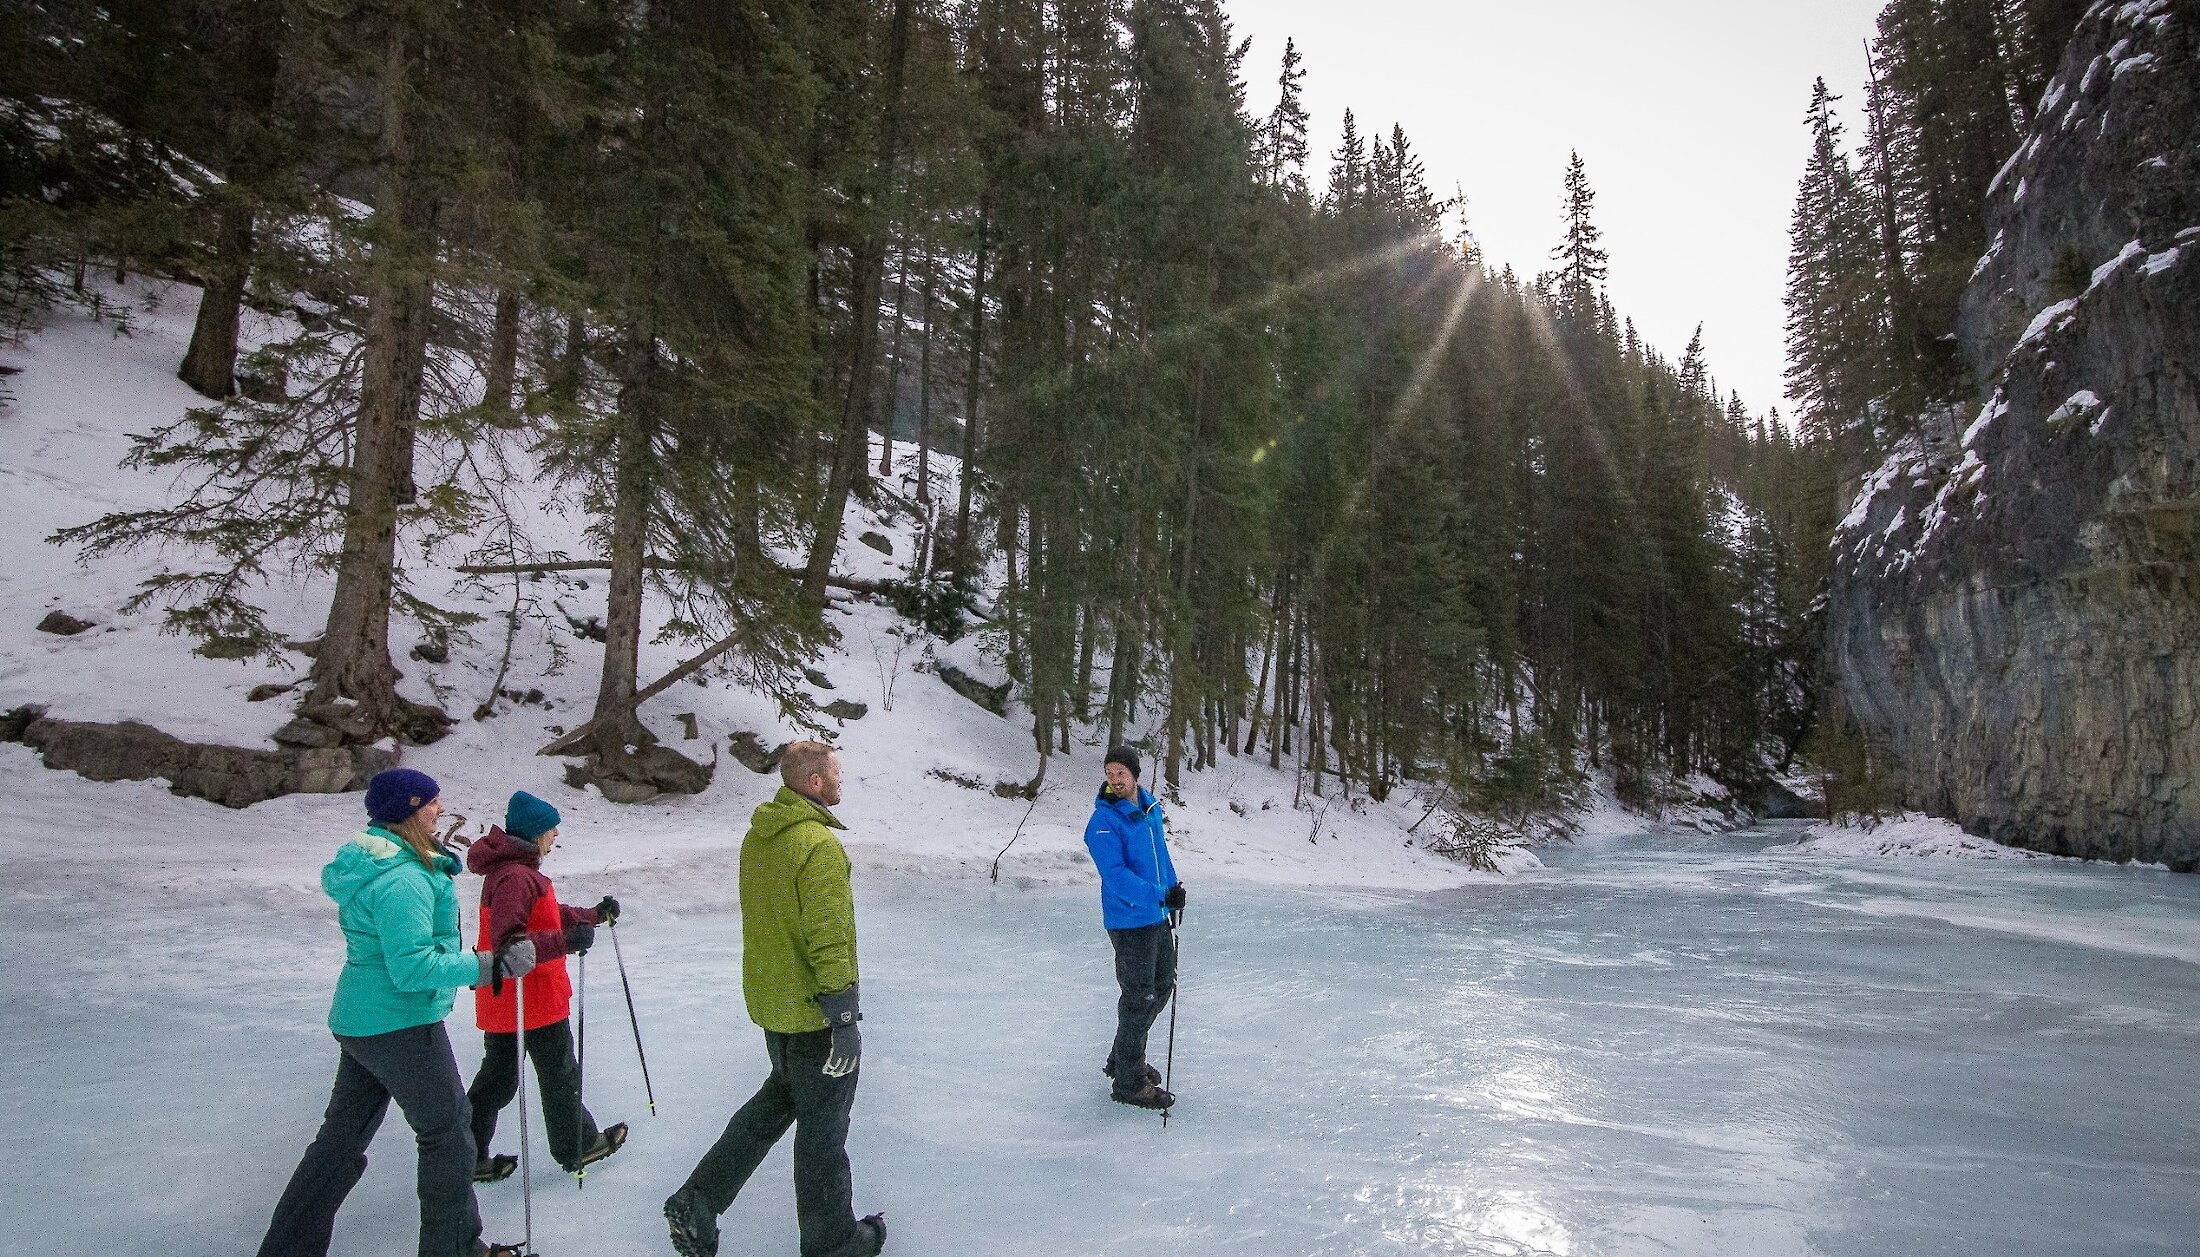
column 1283, row 134
column 1582, row 261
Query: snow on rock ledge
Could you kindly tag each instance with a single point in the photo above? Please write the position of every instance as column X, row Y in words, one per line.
column 1910, row 834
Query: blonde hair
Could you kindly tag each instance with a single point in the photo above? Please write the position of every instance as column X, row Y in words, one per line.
column 802, row 759
column 409, row 832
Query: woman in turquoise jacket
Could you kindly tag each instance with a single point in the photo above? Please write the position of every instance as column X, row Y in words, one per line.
column 403, row 963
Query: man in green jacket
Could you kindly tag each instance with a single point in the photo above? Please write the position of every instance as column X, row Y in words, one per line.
column 798, row 975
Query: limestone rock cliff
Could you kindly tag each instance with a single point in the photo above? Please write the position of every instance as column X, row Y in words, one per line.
column 2014, row 610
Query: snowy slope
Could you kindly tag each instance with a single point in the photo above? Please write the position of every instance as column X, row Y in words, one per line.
column 84, row 390
column 1909, row 834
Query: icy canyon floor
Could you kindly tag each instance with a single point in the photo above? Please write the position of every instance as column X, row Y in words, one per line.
column 1658, row 1044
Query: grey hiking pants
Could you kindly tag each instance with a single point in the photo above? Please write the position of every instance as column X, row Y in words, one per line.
column 414, row 1067
column 797, row 1094
column 1145, row 976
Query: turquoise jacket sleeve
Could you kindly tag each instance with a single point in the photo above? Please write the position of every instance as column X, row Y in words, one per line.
column 404, row 918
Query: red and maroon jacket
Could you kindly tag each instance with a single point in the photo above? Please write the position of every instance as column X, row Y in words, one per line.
column 517, row 898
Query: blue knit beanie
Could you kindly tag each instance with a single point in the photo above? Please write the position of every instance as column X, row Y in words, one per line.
column 528, row 818
column 398, row 793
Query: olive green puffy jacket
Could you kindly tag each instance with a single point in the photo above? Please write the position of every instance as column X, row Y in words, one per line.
column 798, row 915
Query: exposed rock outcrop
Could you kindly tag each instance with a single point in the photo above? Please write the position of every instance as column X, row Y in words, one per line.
column 2015, row 602
column 994, row 698
column 232, row 776
column 639, row 773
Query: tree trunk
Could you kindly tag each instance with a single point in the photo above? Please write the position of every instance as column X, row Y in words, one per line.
column 616, row 724
column 1279, row 720
column 1172, row 760
column 1122, row 676
column 353, row 662
column 893, row 374
column 1088, row 638
column 1007, row 537
column 963, row 558
column 924, row 396
column 210, row 364
column 1316, row 699
column 573, row 371
column 502, row 373
column 1267, row 660
column 855, row 426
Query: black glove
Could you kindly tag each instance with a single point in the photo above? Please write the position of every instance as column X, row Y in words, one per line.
column 607, row 910
column 579, row 937
column 1174, row 899
column 841, row 1015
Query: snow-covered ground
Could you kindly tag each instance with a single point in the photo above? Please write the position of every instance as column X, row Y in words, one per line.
column 1911, row 833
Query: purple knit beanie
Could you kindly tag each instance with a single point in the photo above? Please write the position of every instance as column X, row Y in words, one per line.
column 398, row 793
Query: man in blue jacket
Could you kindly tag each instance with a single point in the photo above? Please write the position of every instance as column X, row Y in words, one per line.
column 1140, row 902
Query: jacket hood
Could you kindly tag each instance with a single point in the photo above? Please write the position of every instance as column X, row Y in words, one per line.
column 498, row 847
column 787, row 809
column 370, row 853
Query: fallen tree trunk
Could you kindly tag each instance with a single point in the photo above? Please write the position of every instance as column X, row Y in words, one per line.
column 575, row 739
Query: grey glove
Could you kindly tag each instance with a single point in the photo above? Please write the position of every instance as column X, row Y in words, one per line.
column 516, row 960
column 841, row 1015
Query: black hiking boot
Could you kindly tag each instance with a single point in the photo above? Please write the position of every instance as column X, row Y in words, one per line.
column 1149, row 1096
column 609, row 1140
column 495, row 1169
column 1107, row 1070
column 870, row 1237
column 694, row 1226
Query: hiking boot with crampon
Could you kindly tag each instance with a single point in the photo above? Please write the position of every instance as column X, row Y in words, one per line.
column 694, row 1226
column 495, row 1169
column 870, row 1235
column 1148, row 1096
column 1107, row 1070
column 610, row 1140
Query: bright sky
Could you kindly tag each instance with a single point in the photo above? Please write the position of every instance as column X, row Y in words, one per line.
column 1688, row 114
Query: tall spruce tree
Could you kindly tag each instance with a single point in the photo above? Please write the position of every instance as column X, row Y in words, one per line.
column 1283, row 133
column 1834, row 335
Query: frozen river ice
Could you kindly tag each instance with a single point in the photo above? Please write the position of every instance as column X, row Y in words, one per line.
column 1656, row 1046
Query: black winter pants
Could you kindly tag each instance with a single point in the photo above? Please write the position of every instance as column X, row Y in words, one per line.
column 414, row 1067
column 571, row 1129
column 798, row 1094
column 1145, row 975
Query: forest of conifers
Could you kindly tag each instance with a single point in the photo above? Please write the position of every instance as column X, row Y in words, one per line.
column 1257, row 468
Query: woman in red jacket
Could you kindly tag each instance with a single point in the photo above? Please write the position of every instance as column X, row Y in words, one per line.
column 517, row 900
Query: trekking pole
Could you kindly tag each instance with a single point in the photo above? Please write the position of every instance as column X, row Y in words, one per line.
column 1168, row 1073
column 631, row 1019
column 580, row 1079
column 526, row 1189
